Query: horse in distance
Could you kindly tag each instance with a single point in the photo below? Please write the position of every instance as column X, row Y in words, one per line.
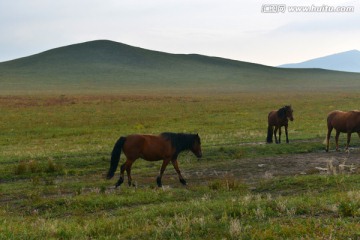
column 343, row 122
column 166, row 146
column 277, row 119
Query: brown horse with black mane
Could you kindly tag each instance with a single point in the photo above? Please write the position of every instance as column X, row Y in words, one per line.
column 166, row 147
column 278, row 119
column 345, row 122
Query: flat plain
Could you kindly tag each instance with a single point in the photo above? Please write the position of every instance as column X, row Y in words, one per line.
column 55, row 151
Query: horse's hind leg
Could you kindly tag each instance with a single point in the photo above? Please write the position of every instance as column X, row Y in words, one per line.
column 176, row 166
column 121, row 179
column 279, row 134
column 128, row 172
column 122, row 169
column 162, row 170
column 275, row 130
column 348, row 141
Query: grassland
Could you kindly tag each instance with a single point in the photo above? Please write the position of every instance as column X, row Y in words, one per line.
column 55, row 151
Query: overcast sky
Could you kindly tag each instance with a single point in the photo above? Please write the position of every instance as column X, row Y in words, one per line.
column 234, row 29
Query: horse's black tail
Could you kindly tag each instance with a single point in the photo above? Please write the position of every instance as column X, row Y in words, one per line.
column 115, row 156
column 269, row 138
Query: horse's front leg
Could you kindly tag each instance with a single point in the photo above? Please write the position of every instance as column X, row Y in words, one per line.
column 328, row 138
column 337, row 140
column 176, row 166
column 286, row 133
column 275, row 130
column 162, row 170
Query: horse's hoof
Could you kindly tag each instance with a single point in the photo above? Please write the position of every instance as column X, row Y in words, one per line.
column 183, row 181
column 158, row 181
column 121, row 180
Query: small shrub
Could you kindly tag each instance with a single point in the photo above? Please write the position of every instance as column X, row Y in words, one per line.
column 347, row 209
column 20, row 168
column 228, row 184
column 53, row 167
column 102, row 189
column 33, row 166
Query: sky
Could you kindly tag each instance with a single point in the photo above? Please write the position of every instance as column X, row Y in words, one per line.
column 234, row 29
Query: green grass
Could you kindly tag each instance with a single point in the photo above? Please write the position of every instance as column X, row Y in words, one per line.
column 55, row 151
column 313, row 207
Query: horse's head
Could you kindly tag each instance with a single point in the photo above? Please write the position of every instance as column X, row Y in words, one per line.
column 196, row 146
column 289, row 112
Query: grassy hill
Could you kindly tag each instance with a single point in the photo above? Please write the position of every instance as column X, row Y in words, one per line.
column 110, row 66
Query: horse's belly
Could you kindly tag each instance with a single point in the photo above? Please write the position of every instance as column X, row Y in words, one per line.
column 347, row 128
column 340, row 129
column 355, row 129
column 151, row 158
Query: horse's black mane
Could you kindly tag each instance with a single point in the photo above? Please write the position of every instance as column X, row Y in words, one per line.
column 181, row 141
column 282, row 111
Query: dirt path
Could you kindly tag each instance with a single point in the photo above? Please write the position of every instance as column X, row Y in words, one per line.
column 250, row 170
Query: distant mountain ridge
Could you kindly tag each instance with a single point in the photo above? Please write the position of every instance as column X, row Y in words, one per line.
column 108, row 66
column 348, row 61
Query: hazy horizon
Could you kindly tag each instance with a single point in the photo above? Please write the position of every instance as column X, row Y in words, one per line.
column 239, row 30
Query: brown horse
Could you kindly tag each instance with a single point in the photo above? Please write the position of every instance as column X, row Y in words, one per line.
column 166, row 147
column 345, row 122
column 278, row 119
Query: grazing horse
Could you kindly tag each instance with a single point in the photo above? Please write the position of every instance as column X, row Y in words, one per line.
column 166, row 147
column 345, row 122
column 278, row 119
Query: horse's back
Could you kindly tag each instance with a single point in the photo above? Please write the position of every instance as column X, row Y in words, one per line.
column 272, row 117
column 344, row 121
column 151, row 147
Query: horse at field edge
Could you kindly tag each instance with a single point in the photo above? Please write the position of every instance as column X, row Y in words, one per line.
column 343, row 122
column 165, row 146
column 277, row 119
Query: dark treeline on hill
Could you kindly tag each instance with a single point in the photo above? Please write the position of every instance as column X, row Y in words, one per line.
column 110, row 66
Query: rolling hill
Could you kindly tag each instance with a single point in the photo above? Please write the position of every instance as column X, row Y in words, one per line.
column 345, row 61
column 107, row 66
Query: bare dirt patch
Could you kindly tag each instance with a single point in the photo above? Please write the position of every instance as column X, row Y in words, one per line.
column 255, row 169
